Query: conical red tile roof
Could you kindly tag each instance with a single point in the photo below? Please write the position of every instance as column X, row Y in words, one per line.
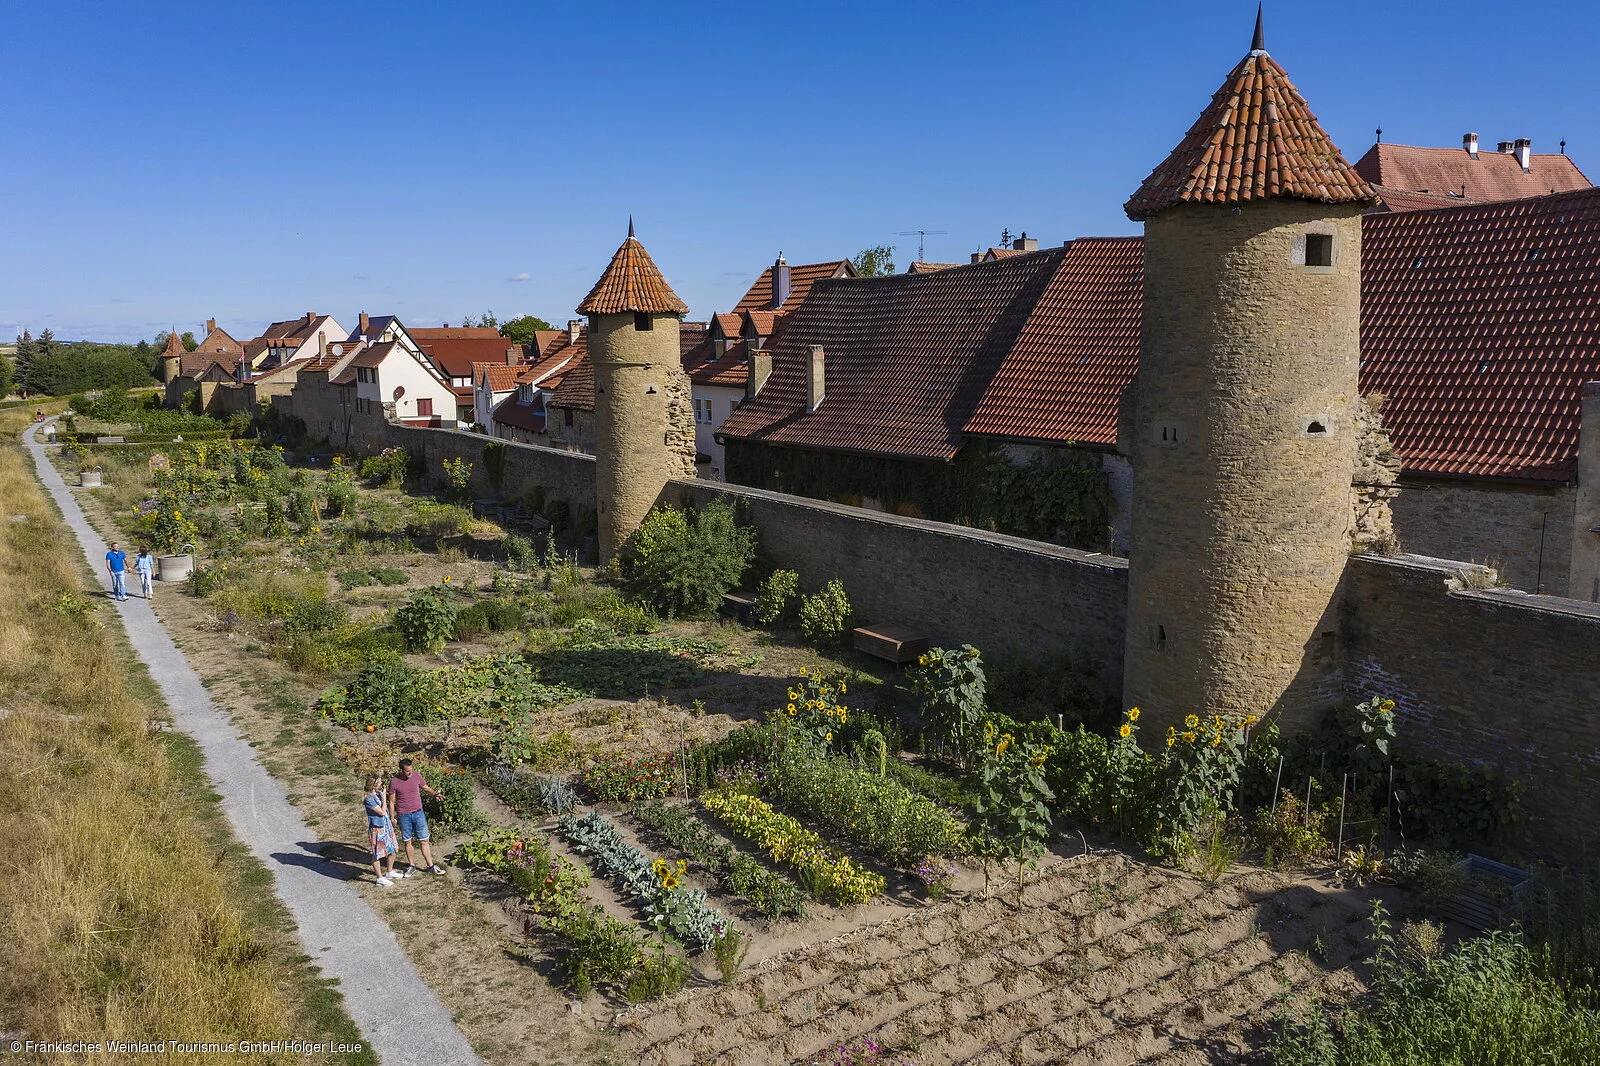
column 632, row 283
column 1258, row 139
column 174, row 345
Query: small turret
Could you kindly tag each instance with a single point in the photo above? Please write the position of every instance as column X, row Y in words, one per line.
column 172, row 356
column 644, row 412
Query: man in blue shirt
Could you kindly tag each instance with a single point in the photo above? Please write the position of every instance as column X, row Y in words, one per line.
column 117, row 567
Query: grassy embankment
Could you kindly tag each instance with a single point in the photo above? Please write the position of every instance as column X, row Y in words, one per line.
column 130, row 912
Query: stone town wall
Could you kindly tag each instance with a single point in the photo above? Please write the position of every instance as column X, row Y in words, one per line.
column 955, row 583
column 1502, row 526
column 1496, row 676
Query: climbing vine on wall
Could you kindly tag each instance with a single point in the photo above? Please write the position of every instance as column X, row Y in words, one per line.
column 494, row 462
column 1062, row 496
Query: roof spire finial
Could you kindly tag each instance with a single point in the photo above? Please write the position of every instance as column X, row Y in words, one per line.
column 1258, row 43
column 630, row 225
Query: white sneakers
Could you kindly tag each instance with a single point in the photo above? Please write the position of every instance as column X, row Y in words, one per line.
column 385, row 882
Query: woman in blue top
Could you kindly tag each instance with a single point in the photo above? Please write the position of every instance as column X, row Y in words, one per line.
column 380, row 833
column 144, row 566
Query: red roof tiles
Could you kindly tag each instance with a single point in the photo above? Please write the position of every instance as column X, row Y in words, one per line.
column 1454, row 172
column 576, row 390
column 906, row 358
column 1257, row 139
column 442, row 333
column 1064, row 376
column 1480, row 324
column 632, row 282
column 801, row 278
column 456, row 355
column 501, row 378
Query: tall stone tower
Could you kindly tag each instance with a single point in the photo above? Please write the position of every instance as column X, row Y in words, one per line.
column 1244, row 407
column 643, row 407
column 172, row 356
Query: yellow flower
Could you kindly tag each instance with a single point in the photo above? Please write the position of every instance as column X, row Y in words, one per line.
column 1386, row 706
column 1126, row 730
column 1171, row 740
column 1192, row 721
column 1036, row 762
column 791, row 708
column 1005, row 742
column 447, row 578
column 922, row 660
column 828, row 736
column 842, row 689
column 1188, row 737
column 1133, row 714
column 802, row 671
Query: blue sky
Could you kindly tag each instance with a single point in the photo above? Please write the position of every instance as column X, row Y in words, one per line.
column 168, row 162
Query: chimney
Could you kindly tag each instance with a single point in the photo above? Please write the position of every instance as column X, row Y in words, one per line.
column 1026, row 243
column 1504, row 147
column 311, row 316
column 362, row 322
column 574, row 326
column 977, row 257
column 780, row 282
column 211, row 326
column 816, row 387
column 322, row 344
column 1470, row 143
column 513, row 355
column 1524, row 153
column 760, row 371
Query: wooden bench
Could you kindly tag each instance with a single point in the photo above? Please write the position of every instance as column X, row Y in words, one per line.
column 897, row 644
column 741, row 608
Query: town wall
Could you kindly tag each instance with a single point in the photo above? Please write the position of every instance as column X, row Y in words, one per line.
column 1523, row 531
column 954, row 583
column 1494, row 676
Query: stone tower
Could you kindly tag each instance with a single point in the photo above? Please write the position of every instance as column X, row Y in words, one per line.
column 643, row 409
column 1244, row 426
column 172, row 356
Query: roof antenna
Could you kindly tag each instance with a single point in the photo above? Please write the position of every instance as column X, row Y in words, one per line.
column 922, row 240
column 1258, row 45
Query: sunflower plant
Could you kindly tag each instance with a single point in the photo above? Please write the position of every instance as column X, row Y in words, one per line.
column 1199, row 776
column 816, row 708
column 1012, row 804
column 950, row 684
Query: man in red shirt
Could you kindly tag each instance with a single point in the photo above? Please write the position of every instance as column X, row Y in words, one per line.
column 405, row 800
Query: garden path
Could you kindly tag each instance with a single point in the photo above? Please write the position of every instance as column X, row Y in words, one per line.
column 397, row 1013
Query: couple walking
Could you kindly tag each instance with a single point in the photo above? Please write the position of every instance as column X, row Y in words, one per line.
column 117, row 566
column 402, row 806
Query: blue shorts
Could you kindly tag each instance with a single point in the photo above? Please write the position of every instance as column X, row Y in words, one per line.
column 413, row 826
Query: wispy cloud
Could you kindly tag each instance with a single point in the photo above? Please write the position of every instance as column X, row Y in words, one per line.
column 515, row 278
column 361, row 275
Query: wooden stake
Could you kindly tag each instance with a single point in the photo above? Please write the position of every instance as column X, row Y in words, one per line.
column 1276, row 785
column 1338, row 851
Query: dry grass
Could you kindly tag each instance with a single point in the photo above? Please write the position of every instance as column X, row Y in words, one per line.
column 118, row 922
column 13, row 420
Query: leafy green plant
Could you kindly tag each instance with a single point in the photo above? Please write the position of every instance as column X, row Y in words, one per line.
column 681, row 563
column 776, row 597
column 520, row 555
column 771, row 894
column 614, row 776
column 730, row 951
column 315, row 616
column 821, row 871
column 826, row 617
column 339, row 500
column 949, row 684
column 456, row 808
column 1288, row 836
column 389, row 575
column 427, row 619
column 303, row 509
column 354, row 579
column 1013, row 814
column 457, row 480
column 487, row 616
column 388, row 468
column 520, row 740
column 387, row 692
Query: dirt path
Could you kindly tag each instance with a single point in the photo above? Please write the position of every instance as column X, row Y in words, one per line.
column 395, row 1009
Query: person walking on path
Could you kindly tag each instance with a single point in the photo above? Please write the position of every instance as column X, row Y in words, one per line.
column 144, row 564
column 380, row 832
column 117, row 567
column 405, row 800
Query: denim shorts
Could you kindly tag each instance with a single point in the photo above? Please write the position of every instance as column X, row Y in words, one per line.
column 413, row 826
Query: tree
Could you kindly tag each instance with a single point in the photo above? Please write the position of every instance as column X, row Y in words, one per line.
column 189, row 343
column 45, row 346
column 24, row 359
column 485, row 321
column 874, row 262
column 6, row 375
column 521, row 330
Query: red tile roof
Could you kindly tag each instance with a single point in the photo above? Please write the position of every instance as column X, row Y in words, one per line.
column 1480, row 324
column 1453, row 172
column 920, row 267
column 1064, row 376
column 907, row 358
column 1257, row 139
column 1400, row 200
column 445, row 333
column 508, row 412
column 801, row 278
column 547, row 370
column 174, row 345
column 705, row 367
column 502, row 378
column 730, row 323
column 632, row 282
column 455, row 356
column 218, row 340
column 193, row 364
column 576, row 390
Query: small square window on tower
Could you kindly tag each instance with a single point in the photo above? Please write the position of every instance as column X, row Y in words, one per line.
column 642, row 322
column 1319, row 249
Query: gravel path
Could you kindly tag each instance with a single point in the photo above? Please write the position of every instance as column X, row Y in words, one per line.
column 398, row 1013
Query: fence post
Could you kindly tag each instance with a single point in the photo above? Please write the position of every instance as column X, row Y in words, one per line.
column 1309, row 779
column 1276, row 785
column 1338, row 850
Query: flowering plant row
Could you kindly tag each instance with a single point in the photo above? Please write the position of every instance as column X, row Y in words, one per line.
column 736, row 873
column 885, row 817
column 615, row 777
column 787, row 841
column 672, row 908
column 552, row 886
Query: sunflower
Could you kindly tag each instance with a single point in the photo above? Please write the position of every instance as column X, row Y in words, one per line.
column 1126, row 730
column 1188, row 737
column 1133, row 714
column 1192, row 721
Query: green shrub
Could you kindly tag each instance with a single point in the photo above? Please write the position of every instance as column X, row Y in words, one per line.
column 682, row 564
column 387, row 692
column 826, row 617
column 341, row 500
column 456, row 808
column 1062, row 684
column 624, row 618
column 389, row 575
column 427, row 619
column 775, row 599
column 488, row 616
column 438, row 520
column 388, row 468
column 354, row 579
column 315, row 616
column 268, row 596
column 520, row 555
column 303, row 509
